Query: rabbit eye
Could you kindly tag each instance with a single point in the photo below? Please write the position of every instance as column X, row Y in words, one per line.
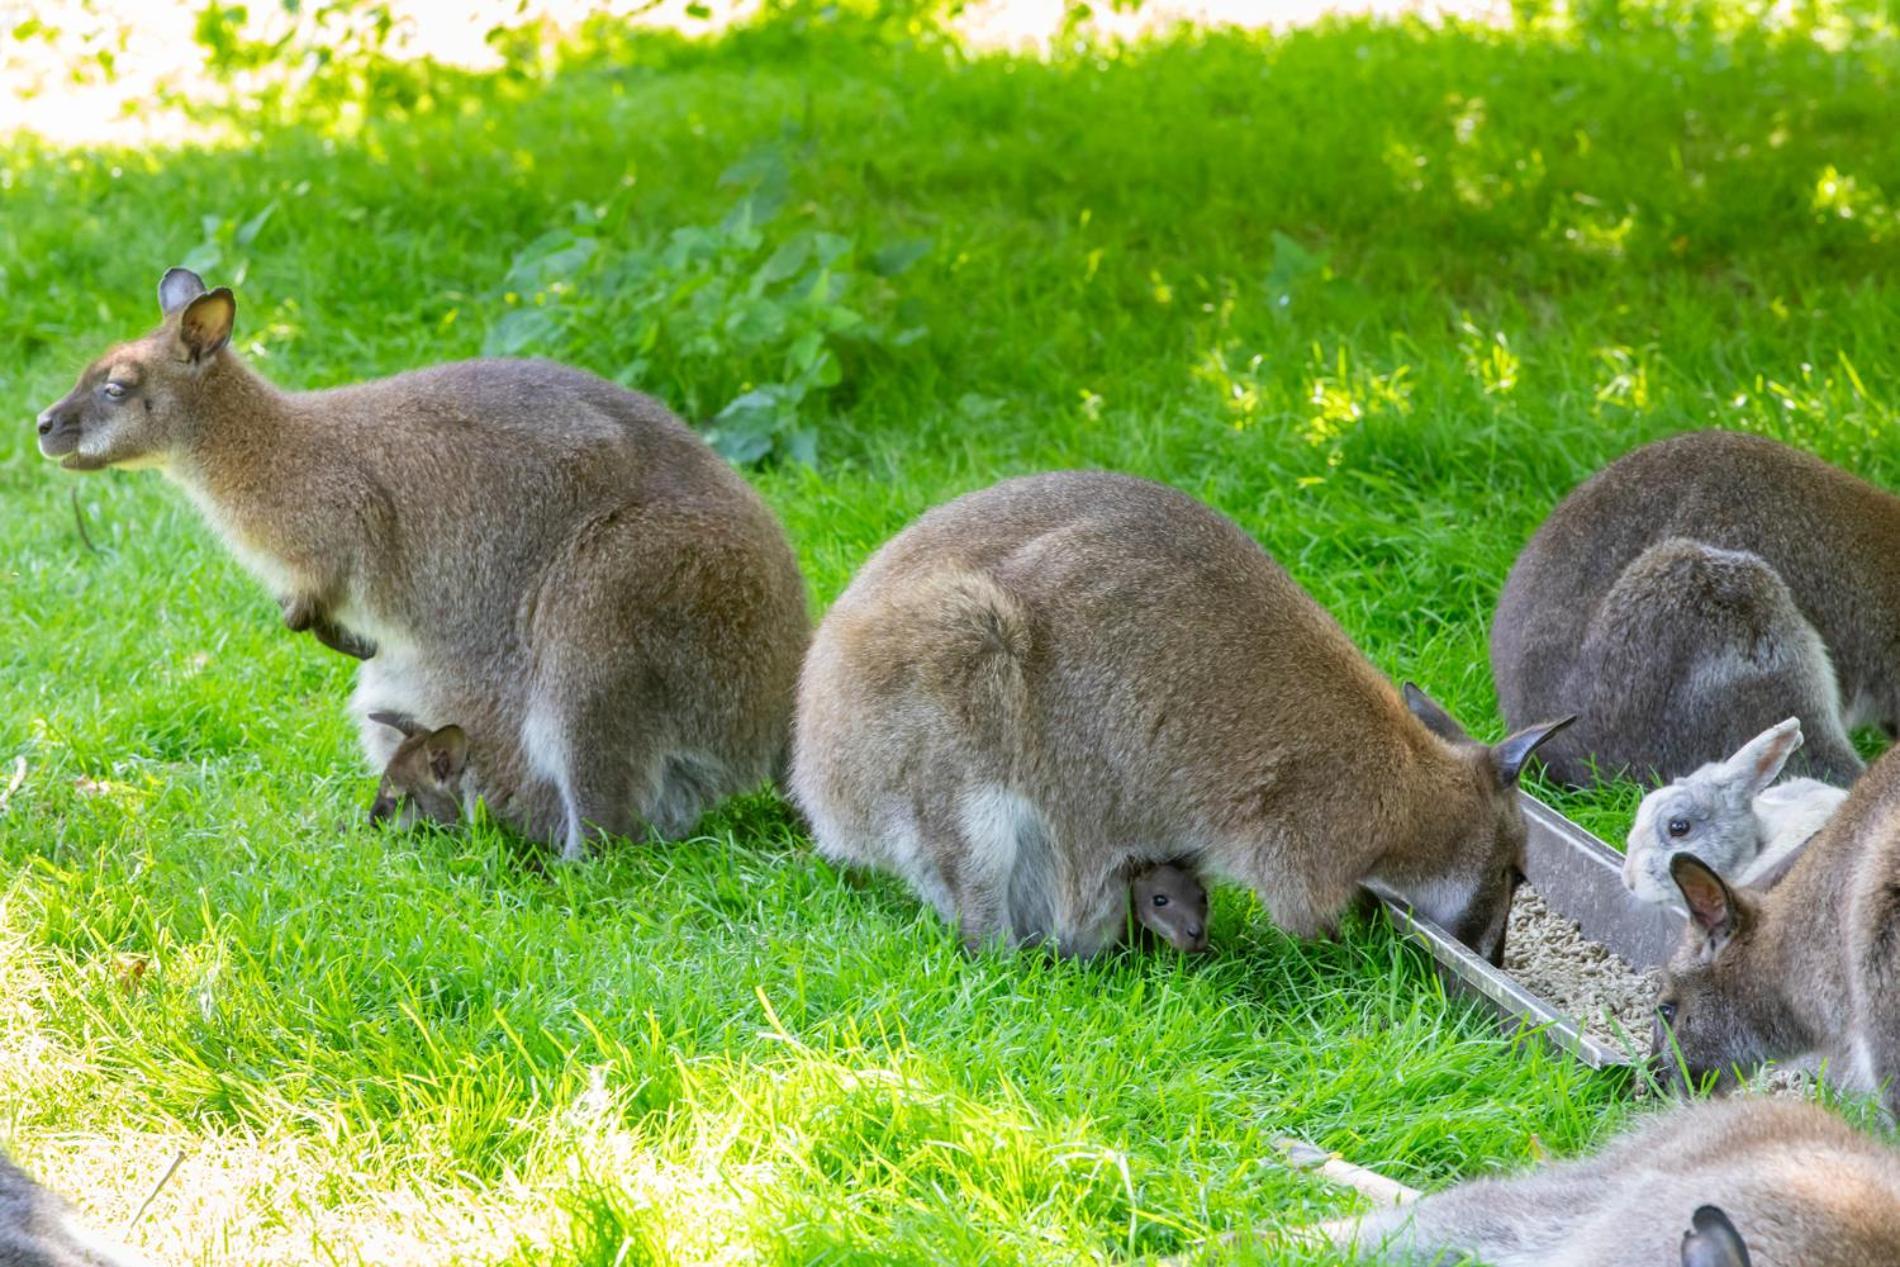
column 1161, row 899
column 1678, row 827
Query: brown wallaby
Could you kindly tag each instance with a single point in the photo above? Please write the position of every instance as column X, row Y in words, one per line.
column 1037, row 689
column 1171, row 903
column 38, row 1229
column 1696, row 592
column 1808, row 967
column 530, row 541
column 1772, row 1183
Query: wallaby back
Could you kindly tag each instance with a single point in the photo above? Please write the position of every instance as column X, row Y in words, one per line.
column 1795, row 1186
column 1809, row 966
column 38, row 1229
column 1693, row 593
column 1039, row 688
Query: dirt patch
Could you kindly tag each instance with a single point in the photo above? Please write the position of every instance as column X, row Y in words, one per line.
column 1583, row 979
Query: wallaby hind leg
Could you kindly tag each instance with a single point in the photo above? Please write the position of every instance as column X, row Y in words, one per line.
column 1694, row 651
column 595, row 751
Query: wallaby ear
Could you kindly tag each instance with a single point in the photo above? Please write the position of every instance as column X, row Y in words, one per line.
column 1511, row 752
column 205, row 325
column 178, row 287
column 1436, row 719
column 1712, row 1241
column 448, row 753
column 402, row 722
column 1759, row 762
column 1712, row 905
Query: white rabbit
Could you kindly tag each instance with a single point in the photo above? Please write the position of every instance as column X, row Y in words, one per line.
column 1728, row 815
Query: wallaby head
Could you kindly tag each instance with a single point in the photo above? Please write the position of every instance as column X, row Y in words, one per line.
column 1709, row 813
column 1715, row 1005
column 137, row 404
column 1172, row 903
column 1465, row 869
column 1712, row 1241
column 423, row 780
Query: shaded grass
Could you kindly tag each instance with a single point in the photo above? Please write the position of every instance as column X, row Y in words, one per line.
column 1381, row 293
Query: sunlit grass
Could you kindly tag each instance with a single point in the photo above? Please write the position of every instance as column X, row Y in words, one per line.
column 1381, row 293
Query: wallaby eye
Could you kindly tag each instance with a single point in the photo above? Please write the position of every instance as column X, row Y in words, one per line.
column 1161, row 899
column 1678, row 827
column 1667, row 1010
column 114, row 391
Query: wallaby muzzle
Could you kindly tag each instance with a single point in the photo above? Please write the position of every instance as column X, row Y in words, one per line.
column 59, row 429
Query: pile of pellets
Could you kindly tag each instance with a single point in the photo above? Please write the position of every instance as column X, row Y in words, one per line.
column 1582, row 979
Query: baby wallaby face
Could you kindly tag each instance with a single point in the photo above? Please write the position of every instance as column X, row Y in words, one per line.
column 135, row 405
column 1171, row 902
column 1714, row 1002
column 423, row 780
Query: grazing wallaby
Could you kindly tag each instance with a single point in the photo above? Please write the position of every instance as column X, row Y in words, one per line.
column 38, row 1229
column 1040, row 688
column 1693, row 593
column 1795, row 1186
column 1171, row 902
column 1810, row 966
column 560, row 553
column 1728, row 815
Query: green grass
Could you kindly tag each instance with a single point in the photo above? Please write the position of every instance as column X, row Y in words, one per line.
column 1382, row 293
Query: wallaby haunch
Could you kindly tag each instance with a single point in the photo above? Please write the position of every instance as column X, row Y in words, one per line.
column 623, row 609
column 38, row 1229
column 1732, row 815
column 1784, row 1184
column 1808, row 967
column 1171, row 903
column 1038, row 689
column 1695, row 592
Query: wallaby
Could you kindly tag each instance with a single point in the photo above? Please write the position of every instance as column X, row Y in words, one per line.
column 1732, row 815
column 563, row 553
column 1037, row 689
column 1693, row 593
column 1785, row 1183
column 1809, row 967
column 1171, row 903
column 38, row 1229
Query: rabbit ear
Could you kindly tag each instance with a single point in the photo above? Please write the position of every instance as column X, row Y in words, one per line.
column 1712, row 1241
column 1759, row 762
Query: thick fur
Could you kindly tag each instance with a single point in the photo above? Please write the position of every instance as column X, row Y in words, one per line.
column 1799, row 1186
column 554, row 563
column 38, row 1229
column 1732, row 815
column 1809, row 967
column 1695, row 592
column 1036, row 691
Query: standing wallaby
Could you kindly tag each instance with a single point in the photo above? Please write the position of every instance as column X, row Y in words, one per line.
column 561, row 553
column 1808, row 967
column 1758, row 1183
column 1037, row 689
column 1695, row 592
column 38, row 1229
column 1732, row 815
column 1171, row 903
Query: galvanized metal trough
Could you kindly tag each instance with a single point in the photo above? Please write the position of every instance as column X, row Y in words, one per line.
column 1579, row 877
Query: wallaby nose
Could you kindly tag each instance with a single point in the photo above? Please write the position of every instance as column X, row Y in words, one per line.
column 46, row 421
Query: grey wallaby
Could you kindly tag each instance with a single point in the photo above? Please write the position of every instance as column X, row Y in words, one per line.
column 558, row 553
column 1171, row 903
column 1694, row 593
column 39, row 1229
column 1731, row 814
column 1757, row 1183
column 1809, row 967
column 1040, row 688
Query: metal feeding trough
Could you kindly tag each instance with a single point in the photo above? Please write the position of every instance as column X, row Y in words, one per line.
column 1580, row 878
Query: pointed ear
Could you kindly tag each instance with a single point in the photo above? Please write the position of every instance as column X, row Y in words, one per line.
column 1713, row 908
column 1712, row 1241
column 1759, row 762
column 1436, row 719
column 1510, row 753
column 178, row 287
column 205, row 325
column 448, row 753
column 401, row 722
